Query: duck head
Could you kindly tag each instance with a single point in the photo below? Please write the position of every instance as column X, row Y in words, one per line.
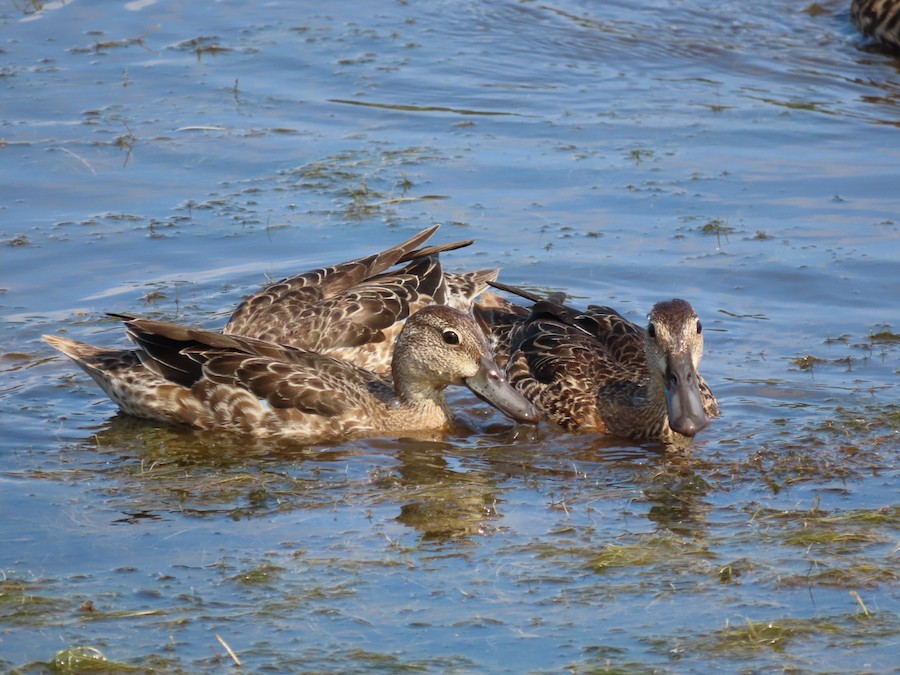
column 674, row 348
column 439, row 346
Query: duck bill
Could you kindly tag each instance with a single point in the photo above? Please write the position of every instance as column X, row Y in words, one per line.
column 683, row 398
column 491, row 386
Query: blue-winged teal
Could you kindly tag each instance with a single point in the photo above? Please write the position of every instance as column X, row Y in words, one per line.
column 212, row 381
column 878, row 19
column 596, row 370
column 355, row 310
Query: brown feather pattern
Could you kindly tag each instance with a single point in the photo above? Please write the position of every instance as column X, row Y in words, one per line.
column 878, row 19
column 355, row 310
column 212, row 381
column 594, row 369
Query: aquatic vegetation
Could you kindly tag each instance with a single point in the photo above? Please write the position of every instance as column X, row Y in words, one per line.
column 364, row 184
column 741, row 641
column 749, row 638
column 844, row 549
column 261, row 575
column 807, row 362
column 858, row 575
column 718, row 227
column 651, row 551
column 22, row 604
column 883, row 335
column 84, row 659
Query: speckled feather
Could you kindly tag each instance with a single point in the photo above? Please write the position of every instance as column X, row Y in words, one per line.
column 587, row 369
column 355, row 310
column 878, row 19
column 208, row 380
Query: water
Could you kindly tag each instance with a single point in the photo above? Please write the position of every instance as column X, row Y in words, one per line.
column 168, row 160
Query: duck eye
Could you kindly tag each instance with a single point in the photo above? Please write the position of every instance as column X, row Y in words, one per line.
column 651, row 330
column 699, row 328
column 450, row 337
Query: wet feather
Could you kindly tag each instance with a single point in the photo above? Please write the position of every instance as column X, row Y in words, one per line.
column 355, row 310
column 594, row 369
column 207, row 380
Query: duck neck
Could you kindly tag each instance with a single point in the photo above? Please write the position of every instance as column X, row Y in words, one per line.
column 644, row 409
column 415, row 392
column 657, row 412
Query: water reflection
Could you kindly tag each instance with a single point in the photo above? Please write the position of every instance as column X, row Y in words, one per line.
column 443, row 490
column 676, row 495
column 439, row 502
column 165, row 470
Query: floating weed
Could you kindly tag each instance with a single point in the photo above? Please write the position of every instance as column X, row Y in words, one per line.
column 848, row 444
column 807, row 362
column 782, row 466
column 410, row 156
column 744, row 641
column 362, row 204
column 94, row 615
column 861, row 575
column 865, row 432
column 101, row 46
column 609, row 661
column 731, row 572
column 262, row 575
column 81, row 659
column 404, row 183
column 18, row 240
column 626, row 556
column 751, row 639
column 833, row 533
column 653, row 550
column 639, row 155
column 883, row 335
column 839, row 542
column 21, row 606
column 889, row 515
column 886, row 516
column 390, row 663
column 717, row 226
column 363, row 184
column 880, row 340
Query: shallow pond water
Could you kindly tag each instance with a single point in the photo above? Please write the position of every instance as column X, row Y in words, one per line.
column 167, row 159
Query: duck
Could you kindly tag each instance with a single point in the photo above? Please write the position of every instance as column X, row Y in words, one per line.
column 212, row 381
column 878, row 20
column 356, row 309
column 595, row 370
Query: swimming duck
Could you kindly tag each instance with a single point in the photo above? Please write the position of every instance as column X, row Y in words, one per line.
column 355, row 310
column 878, row 19
column 209, row 380
column 596, row 370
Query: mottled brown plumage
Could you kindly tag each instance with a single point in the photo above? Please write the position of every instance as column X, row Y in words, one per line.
column 878, row 19
column 355, row 310
column 209, row 380
column 596, row 370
